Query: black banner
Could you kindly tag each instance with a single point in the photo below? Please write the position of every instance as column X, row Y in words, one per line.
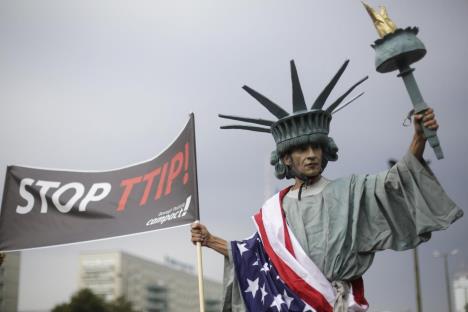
column 51, row 207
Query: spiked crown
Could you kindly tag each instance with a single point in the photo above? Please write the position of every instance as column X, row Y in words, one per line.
column 303, row 126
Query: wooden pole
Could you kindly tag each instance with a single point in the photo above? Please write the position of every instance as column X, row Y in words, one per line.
column 201, row 292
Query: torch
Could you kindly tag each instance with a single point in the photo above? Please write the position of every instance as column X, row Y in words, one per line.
column 397, row 49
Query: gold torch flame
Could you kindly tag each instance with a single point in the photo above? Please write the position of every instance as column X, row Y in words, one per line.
column 382, row 22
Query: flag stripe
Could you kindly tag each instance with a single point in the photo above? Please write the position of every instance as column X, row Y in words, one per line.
column 287, row 238
column 294, row 281
column 357, row 285
column 301, row 264
column 291, row 261
column 358, row 292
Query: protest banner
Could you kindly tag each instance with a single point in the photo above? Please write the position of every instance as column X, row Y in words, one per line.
column 46, row 207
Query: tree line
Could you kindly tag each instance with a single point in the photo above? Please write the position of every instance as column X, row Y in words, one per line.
column 86, row 301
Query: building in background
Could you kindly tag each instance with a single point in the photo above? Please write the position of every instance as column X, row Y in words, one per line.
column 9, row 282
column 150, row 286
column 460, row 291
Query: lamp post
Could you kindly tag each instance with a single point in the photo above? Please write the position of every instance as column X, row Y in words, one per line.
column 445, row 255
column 417, row 279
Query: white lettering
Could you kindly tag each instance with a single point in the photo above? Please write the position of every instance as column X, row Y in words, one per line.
column 97, row 192
column 26, row 195
column 170, row 214
column 187, row 204
column 105, row 189
column 45, row 186
column 79, row 191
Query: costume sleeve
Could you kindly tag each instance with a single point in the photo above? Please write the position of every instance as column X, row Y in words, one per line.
column 399, row 208
column 232, row 298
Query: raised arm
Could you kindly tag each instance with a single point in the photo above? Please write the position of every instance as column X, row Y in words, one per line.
column 401, row 207
column 201, row 234
column 419, row 141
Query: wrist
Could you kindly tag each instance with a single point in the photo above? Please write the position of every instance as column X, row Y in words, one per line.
column 210, row 241
column 417, row 145
column 419, row 137
column 217, row 244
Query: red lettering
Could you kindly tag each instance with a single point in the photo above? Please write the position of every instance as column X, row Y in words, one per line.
column 161, row 182
column 174, row 170
column 167, row 175
column 186, row 158
column 128, row 189
column 149, row 178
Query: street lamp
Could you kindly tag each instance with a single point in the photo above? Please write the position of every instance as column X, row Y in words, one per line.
column 417, row 279
column 445, row 255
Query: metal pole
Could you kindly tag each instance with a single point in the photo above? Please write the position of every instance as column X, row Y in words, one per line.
column 447, row 282
column 417, row 280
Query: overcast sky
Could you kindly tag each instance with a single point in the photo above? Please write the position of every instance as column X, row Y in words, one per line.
column 103, row 84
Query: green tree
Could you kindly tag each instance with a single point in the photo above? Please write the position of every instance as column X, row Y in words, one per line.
column 86, row 301
column 121, row 305
column 83, row 301
column 466, row 307
column 64, row 307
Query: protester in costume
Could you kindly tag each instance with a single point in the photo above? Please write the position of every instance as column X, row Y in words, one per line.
column 317, row 238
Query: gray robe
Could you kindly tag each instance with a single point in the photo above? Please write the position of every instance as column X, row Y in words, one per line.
column 342, row 227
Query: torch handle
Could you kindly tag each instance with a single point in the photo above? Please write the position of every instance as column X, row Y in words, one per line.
column 406, row 73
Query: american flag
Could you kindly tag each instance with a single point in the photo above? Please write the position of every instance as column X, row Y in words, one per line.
column 260, row 284
column 275, row 274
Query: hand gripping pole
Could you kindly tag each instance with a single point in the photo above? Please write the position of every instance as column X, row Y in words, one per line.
column 406, row 73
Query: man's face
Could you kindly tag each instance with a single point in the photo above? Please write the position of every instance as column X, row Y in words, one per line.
column 305, row 160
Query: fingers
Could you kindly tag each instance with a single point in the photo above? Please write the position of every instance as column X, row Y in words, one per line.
column 198, row 238
column 197, row 225
column 428, row 119
column 431, row 124
column 199, row 234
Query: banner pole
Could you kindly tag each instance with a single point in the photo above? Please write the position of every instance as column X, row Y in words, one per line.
column 201, row 291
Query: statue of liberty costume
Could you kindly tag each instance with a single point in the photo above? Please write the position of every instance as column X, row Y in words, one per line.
column 314, row 244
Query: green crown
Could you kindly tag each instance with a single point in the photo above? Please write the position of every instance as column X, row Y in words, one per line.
column 303, row 126
column 300, row 129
